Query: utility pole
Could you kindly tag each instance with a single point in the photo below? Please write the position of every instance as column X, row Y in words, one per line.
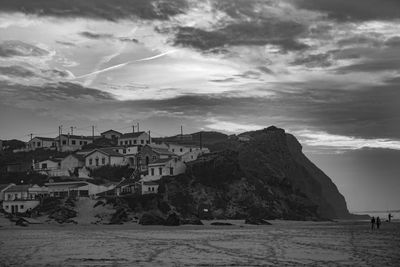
column 181, row 131
column 72, row 130
column 93, row 132
column 31, row 134
column 149, row 138
column 138, row 127
column 133, row 128
column 201, row 141
column 59, row 136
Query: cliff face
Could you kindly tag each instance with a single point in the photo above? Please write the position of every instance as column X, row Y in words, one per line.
column 267, row 177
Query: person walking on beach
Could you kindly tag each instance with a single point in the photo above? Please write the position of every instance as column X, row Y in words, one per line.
column 390, row 217
column 372, row 223
column 378, row 222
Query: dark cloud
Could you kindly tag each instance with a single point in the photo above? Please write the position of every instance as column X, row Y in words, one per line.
column 52, row 92
column 354, row 10
column 223, row 80
column 361, row 40
column 65, row 43
column 13, row 48
column 314, row 61
column 280, row 33
column 393, row 42
column 372, row 66
column 98, row 9
column 16, row 71
column 265, row 70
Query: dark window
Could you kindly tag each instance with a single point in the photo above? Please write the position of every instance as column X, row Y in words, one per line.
column 103, row 161
column 173, row 150
column 152, row 171
column 126, row 142
column 80, row 143
column 130, row 142
column 44, row 165
column 6, row 207
column 181, row 149
column 171, row 171
column 154, row 157
column 190, row 150
column 160, row 171
column 121, row 143
column 124, row 151
column 38, row 143
column 90, row 161
column 135, row 141
column 97, row 161
column 147, row 142
column 64, row 142
column 85, row 142
column 21, row 206
column 142, row 142
column 73, row 142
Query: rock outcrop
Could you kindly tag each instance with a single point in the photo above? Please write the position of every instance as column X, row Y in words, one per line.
column 264, row 177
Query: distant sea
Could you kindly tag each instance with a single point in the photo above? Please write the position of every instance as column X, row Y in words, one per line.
column 382, row 214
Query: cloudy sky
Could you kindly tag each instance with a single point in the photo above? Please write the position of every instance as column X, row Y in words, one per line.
column 325, row 70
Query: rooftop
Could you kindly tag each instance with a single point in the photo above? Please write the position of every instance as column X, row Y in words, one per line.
column 132, row 135
column 160, row 161
column 44, row 138
column 107, row 151
column 111, row 130
column 18, row 188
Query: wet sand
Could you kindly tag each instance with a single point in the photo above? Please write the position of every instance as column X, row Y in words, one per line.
column 281, row 244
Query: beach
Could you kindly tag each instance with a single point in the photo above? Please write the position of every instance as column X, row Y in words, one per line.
column 285, row 243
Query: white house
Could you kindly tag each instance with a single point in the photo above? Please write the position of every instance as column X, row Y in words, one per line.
column 103, row 157
column 137, row 138
column 3, row 188
column 187, row 152
column 111, row 134
column 51, row 167
column 67, row 142
column 76, row 188
column 41, row 142
column 37, row 191
column 18, row 200
column 149, row 188
column 71, row 162
column 130, row 153
column 164, row 167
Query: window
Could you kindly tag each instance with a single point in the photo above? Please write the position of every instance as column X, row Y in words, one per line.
column 80, row 143
column 152, row 171
column 9, row 196
column 121, row 143
column 113, row 136
column 191, row 156
column 130, row 142
column 147, row 142
column 73, row 142
column 21, row 206
column 90, row 161
column 181, row 149
column 38, row 144
column 142, row 142
column 64, row 142
column 124, row 151
column 160, row 171
column 135, row 142
column 126, row 142
column 15, row 196
column 154, row 157
column 190, row 150
column 103, row 161
column 44, row 165
column 173, row 150
column 171, row 170
column 6, row 207
column 85, row 142
column 97, row 161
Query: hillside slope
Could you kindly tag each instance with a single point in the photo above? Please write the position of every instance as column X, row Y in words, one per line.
column 267, row 177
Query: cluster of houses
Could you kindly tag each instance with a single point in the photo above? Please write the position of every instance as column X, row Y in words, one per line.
column 150, row 160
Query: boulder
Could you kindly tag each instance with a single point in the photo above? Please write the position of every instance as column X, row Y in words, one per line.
column 256, row 221
column 172, row 220
column 21, row 222
column 151, row 219
column 62, row 214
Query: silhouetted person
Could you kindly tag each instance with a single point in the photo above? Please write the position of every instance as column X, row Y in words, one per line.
column 372, row 223
column 378, row 222
column 390, row 217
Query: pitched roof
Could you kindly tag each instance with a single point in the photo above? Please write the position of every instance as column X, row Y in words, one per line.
column 77, row 136
column 18, row 188
column 150, row 183
column 111, row 130
column 162, row 151
column 132, row 135
column 160, row 161
column 107, row 151
column 77, row 156
column 4, row 186
column 44, row 138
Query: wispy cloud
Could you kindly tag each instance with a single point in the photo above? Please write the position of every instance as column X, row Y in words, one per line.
column 231, row 127
column 324, row 139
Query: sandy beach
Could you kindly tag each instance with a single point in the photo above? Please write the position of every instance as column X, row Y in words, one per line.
column 285, row 243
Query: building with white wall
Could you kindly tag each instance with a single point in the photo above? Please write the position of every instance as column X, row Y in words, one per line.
column 111, row 134
column 76, row 189
column 41, row 142
column 67, row 142
column 137, row 138
column 3, row 188
column 104, row 157
column 18, row 200
column 164, row 167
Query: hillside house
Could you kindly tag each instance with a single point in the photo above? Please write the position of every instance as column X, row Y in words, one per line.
column 152, row 153
column 18, row 200
column 104, row 157
column 187, row 152
column 76, row 189
column 137, row 138
column 37, row 192
column 127, row 186
column 67, row 142
column 51, row 167
column 130, row 153
column 149, row 188
column 3, row 188
column 41, row 142
column 164, row 167
column 71, row 162
column 111, row 134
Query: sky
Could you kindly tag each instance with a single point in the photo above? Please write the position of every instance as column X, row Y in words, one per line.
column 326, row 71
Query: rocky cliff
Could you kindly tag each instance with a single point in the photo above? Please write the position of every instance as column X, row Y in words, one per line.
column 267, row 176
